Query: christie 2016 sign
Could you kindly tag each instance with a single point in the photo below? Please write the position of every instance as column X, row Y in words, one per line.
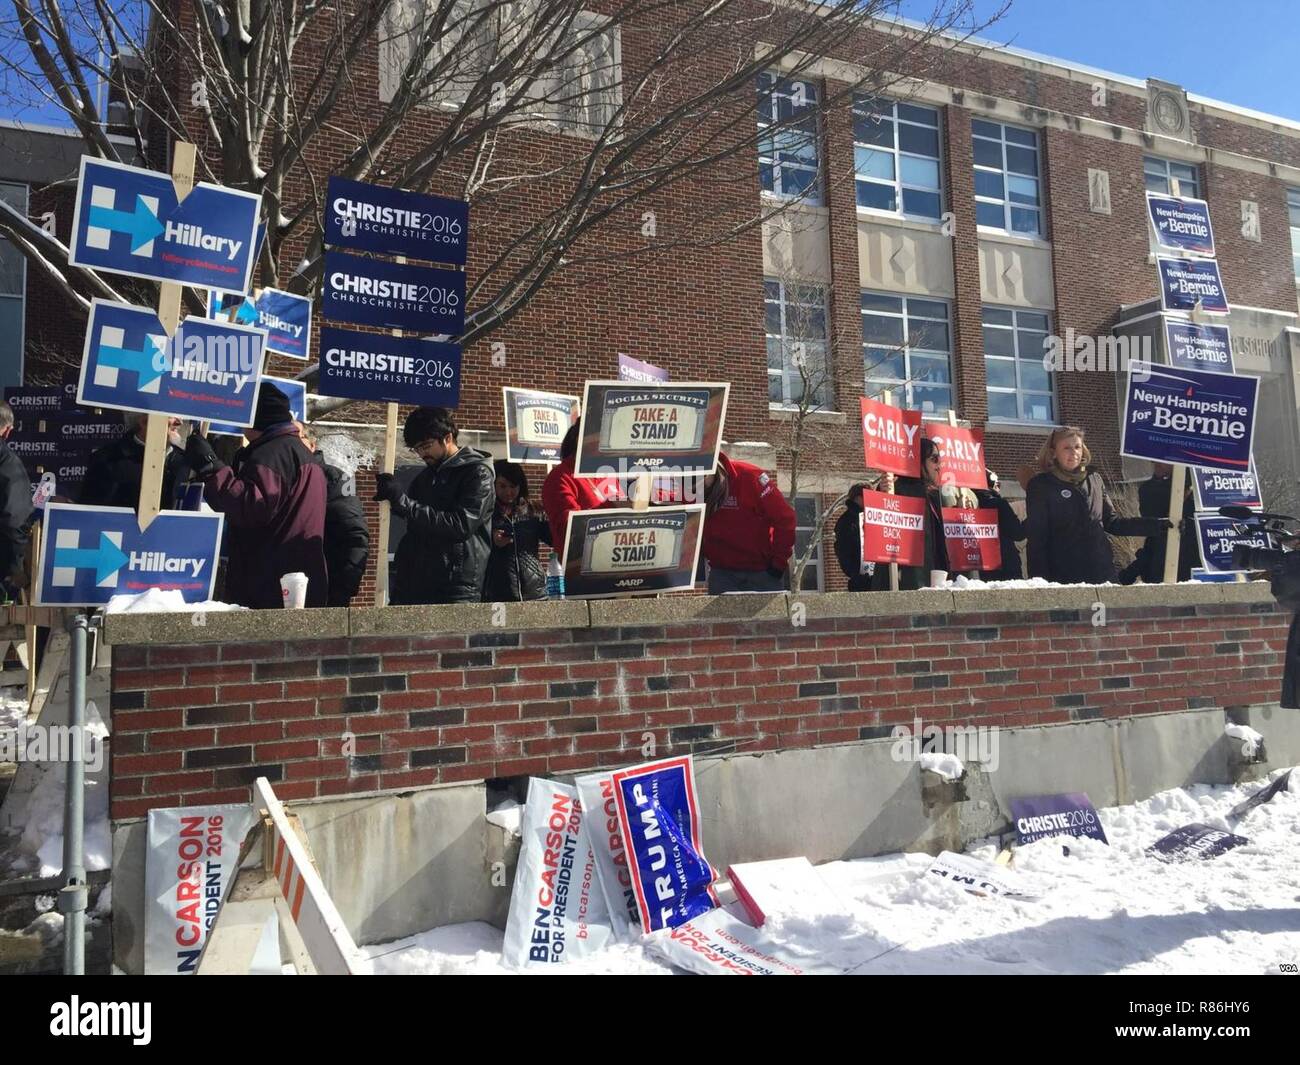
column 207, row 370
column 1181, row 225
column 396, row 222
column 891, row 438
column 1198, row 347
column 1068, row 814
column 620, row 552
column 90, row 554
column 393, row 295
column 389, row 369
column 1186, row 282
column 1190, row 417
column 128, row 221
column 668, row 428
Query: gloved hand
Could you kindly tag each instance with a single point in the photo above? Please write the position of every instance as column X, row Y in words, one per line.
column 203, row 460
column 1162, row 523
column 387, row 488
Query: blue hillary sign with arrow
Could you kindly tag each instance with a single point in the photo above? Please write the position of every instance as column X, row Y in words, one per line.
column 90, row 554
column 128, row 220
column 208, row 370
column 286, row 317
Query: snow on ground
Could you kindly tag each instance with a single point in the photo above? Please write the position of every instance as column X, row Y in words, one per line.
column 13, row 707
column 159, row 601
column 1106, row 909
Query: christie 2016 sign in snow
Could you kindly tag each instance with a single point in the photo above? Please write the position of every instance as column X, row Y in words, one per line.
column 1198, row 347
column 1181, row 225
column 90, row 554
column 393, row 295
column 396, row 222
column 891, row 438
column 626, row 552
column 536, row 423
column 664, row 428
column 128, row 221
column 1190, row 417
column 389, row 369
column 1186, row 282
column 206, row 370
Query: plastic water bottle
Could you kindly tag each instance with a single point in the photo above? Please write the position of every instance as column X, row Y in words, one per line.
column 554, row 579
column 44, row 491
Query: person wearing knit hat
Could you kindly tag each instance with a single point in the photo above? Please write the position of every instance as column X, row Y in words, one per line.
column 273, row 497
column 928, row 487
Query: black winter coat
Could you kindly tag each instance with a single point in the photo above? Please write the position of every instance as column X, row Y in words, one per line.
column 15, row 509
column 1067, row 525
column 1011, row 530
column 848, row 546
column 936, row 547
column 514, row 572
column 347, row 538
column 1149, row 565
column 114, row 472
column 1285, row 586
column 443, row 555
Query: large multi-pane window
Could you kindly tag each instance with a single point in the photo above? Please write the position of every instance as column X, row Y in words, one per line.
column 1293, row 209
column 808, row 526
column 1019, row 384
column 907, row 348
column 795, row 322
column 788, row 151
column 1008, row 191
column 1160, row 174
column 13, row 288
column 896, row 158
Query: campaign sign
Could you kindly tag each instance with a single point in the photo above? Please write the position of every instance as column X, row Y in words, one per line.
column 393, row 295
column 90, row 554
column 1218, row 535
column 1265, row 794
column 659, row 819
column 205, row 370
column 1181, row 224
column 1189, row 417
column 659, row 428
column 1198, row 347
column 1215, row 489
column 295, row 390
column 396, row 222
column 1195, row 841
column 891, row 438
column 127, row 221
column 1212, row 576
column 630, row 369
column 285, row 317
column 972, row 539
column 892, row 528
column 1186, row 282
column 536, row 423
column 961, row 454
column 425, row 373
column 1069, row 814
column 624, row 552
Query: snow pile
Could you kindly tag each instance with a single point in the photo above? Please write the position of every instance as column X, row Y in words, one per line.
column 947, row 766
column 13, row 708
column 508, row 815
column 1250, row 739
column 158, row 601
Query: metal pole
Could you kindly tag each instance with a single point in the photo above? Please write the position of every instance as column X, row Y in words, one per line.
column 72, row 897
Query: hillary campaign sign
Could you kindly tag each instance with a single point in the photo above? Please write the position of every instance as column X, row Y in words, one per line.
column 295, row 390
column 206, row 370
column 961, row 454
column 389, row 369
column 127, row 220
column 891, row 438
column 1189, row 417
column 536, row 423
column 393, row 295
column 396, row 222
column 1218, row 535
column 630, row 369
column 1042, row 816
column 1181, row 225
column 1198, row 347
column 90, row 554
column 1215, row 489
column 972, row 539
column 1184, row 283
column 659, row 428
column 893, row 528
column 621, row 552
column 285, row 317
column 659, row 819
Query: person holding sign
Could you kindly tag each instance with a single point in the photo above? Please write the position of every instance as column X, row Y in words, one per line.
column 114, row 472
column 1153, row 502
column 848, row 543
column 514, row 572
column 1011, row 530
column 929, row 486
column 748, row 529
column 15, row 506
column 563, row 491
column 1069, row 515
column 448, row 511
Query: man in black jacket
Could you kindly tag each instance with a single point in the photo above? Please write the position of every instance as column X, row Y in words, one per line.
column 848, row 543
column 15, row 505
column 1010, row 531
column 448, row 510
column 1153, row 502
column 113, row 475
column 347, row 537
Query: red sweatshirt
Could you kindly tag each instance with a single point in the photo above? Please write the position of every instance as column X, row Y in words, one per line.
column 562, row 492
column 753, row 528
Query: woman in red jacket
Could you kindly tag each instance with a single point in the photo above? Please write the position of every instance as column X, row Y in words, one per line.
column 563, row 492
column 748, row 529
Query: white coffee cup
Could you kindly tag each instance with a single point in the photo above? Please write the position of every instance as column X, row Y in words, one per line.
column 938, row 578
column 293, row 586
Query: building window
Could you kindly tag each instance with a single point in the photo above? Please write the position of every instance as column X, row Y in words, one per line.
column 13, row 291
column 788, row 157
column 896, row 158
column 1159, row 175
column 1019, row 385
column 1293, row 209
column 907, row 348
column 795, row 322
column 1008, row 196
column 808, row 526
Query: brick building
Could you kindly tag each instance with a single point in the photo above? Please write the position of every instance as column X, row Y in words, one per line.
column 936, row 239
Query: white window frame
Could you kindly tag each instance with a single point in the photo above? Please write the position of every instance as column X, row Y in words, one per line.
column 864, row 104
column 873, row 384
column 1293, row 212
column 815, row 559
column 1166, row 165
column 1005, row 173
column 822, row 396
column 21, row 295
column 1015, row 358
column 769, row 113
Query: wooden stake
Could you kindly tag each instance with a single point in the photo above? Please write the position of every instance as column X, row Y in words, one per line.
column 887, row 397
column 30, row 632
column 386, row 508
column 641, row 491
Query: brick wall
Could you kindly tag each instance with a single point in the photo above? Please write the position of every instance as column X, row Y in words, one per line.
column 196, row 722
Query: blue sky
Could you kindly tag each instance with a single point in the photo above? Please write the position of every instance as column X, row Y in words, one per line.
column 1241, row 52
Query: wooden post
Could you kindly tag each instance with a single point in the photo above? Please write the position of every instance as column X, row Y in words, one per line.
column 641, row 490
column 386, row 508
column 1178, row 479
column 887, row 397
column 30, row 628
column 169, row 314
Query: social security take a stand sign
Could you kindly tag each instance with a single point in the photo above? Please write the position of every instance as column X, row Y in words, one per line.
column 396, row 222
column 128, row 221
column 207, row 370
column 90, row 554
column 285, row 316
column 1181, row 225
column 393, row 295
column 1189, row 417
column 390, row 369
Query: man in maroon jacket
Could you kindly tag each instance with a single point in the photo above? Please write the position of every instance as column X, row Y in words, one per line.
column 273, row 498
column 748, row 529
